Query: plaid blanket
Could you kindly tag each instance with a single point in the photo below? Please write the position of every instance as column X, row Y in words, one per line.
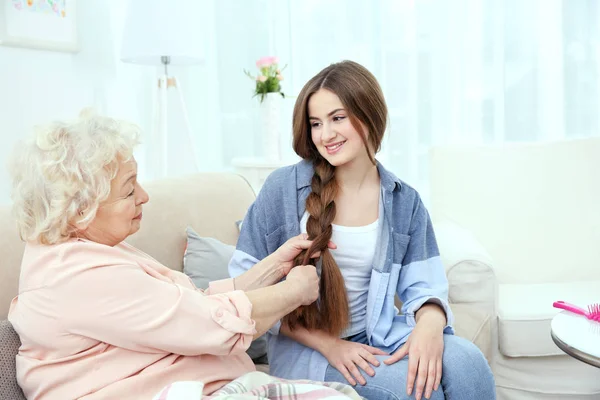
column 258, row 385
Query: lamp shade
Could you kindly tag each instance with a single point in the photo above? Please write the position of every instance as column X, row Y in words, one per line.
column 156, row 28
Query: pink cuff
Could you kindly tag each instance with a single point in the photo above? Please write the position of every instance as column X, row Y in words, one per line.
column 221, row 286
column 236, row 319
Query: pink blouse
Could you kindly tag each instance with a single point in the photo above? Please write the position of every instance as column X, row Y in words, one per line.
column 101, row 322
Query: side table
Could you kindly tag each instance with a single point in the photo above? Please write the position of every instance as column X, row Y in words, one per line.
column 577, row 336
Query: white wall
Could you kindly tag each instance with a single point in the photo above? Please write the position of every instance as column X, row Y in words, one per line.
column 37, row 86
column 431, row 100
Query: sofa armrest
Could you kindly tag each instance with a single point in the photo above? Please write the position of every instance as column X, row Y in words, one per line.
column 469, row 267
column 473, row 285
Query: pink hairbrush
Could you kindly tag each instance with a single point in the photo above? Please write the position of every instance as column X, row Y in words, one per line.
column 592, row 313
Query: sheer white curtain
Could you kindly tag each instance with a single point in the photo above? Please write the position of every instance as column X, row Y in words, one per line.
column 453, row 71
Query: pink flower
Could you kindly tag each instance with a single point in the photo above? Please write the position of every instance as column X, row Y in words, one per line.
column 280, row 77
column 261, row 78
column 265, row 62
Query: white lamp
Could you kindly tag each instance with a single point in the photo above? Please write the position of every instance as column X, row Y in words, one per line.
column 163, row 33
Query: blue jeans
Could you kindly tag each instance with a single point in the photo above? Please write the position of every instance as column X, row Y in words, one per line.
column 466, row 375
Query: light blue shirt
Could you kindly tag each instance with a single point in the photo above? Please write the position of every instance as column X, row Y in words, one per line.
column 406, row 263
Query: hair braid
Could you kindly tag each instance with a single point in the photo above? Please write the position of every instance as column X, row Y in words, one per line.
column 331, row 311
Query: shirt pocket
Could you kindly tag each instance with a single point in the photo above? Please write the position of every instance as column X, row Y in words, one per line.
column 276, row 239
column 401, row 243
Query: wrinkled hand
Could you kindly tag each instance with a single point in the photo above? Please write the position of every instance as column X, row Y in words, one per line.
column 346, row 356
column 425, row 347
column 304, row 282
column 288, row 251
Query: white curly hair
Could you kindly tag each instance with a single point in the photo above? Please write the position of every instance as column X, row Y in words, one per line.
column 63, row 171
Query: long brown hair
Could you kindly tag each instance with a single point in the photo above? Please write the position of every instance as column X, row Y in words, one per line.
column 361, row 95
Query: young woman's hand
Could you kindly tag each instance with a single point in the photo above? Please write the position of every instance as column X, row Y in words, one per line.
column 288, row 251
column 425, row 347
column 347, row 357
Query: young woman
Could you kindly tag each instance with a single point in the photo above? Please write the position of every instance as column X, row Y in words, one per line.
column 385, row 245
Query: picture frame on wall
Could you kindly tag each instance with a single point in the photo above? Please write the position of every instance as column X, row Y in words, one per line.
column 39, row 24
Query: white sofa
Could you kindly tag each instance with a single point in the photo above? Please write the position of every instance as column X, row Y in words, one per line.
column 535, row 209
column 212, row 203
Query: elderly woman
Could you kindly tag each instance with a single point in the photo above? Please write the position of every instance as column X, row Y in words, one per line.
column 99, row 319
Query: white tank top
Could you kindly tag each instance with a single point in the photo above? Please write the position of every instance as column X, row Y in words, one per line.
column 354, row 256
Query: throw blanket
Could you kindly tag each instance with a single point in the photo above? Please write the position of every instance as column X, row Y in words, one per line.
column 258, row 385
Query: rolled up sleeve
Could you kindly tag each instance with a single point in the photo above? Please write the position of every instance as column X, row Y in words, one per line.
column 233, row 314
column 422, row 276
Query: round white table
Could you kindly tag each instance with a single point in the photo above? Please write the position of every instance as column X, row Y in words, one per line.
column 577, row 336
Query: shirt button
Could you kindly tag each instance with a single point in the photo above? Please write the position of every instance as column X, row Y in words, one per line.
column 219, row 313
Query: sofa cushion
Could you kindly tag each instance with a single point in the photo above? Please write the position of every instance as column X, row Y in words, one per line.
column 211, row 202
column 545, row 378
column 525, row 312
column 11, row 253
column 206, row 260
column 9, row 346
